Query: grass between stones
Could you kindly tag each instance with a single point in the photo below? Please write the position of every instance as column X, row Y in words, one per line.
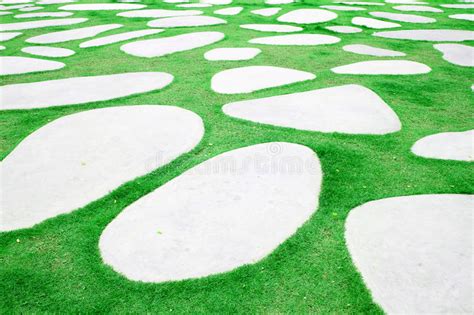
column 56, row 266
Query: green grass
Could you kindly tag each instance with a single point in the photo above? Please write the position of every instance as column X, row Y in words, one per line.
column 56, row 266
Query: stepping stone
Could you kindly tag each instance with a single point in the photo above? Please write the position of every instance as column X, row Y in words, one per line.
column 254, row 78
column 21, row 65
column 54, row 1
column 415, row 252
column 446, row 146
column 351, row 109
column 229, row 11
column 80, row 90
column 461, row 55
column 429, row 35
column 101, row 6
column 194, row 5
column 458, row 6
column 5, row 13
column 372, row 51
column 467, row 17
column 7, row 36
column 158, row 13
column 307, row 16
column 76, row 159
column 175, row 1
column 278, row 28
column 383, row 67
column 14, row 1
column 14, row 7
column 74, row 34
column 203, row 223
column 344, row 29
column 2, row 47
column 373, row 23
column 362, row 3
column 48, row 51
column 276, row 2
column 30, row 9
column 405, row 2
column 266, row 12
column 18, row 26
column 116, row 38
column 296, row 40
column 341, row 8
column 218, row 54
column 42, row 15
column 169, row 45
column 409, row 18
column 187, row 21
column 216, row 2
column 417, row 8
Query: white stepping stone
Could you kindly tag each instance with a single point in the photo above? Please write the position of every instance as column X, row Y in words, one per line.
column 216, row 2
column 277, row 2
column 266, row 12
column 461, row 55
column 14, row 7
column 383, row 67
column 415, row 252
column 187, row 21
column 42, row 15
column 116, row 38
column 175, row 1
column 101, row 6
column 15, row 1
column 203, row 222
column 169, row 45
column 254, row 78
column 429, row 35
column 80, row 90
column 278, row 28
column 74, row 34
column 351, row 109
column 405, row 2
column 76, row 159
column 194, row 5
column 5, row 13
column 344, row 29
column 2, row 47
column 409, row 18
column 467, row 17
column 417, row 8
column 307, row 16
column 362, row 3
column 458, row 6
column 40, row 24
column 158, row 13
column 229, row 11
column 373, row 23
column 341, row 8
column 7, row 36
column 372, row 51
column 48, row 51
column 447, row 146
column 54, row 1
column 30, row 9
column 21, row 65
column 296, row 40
column 218, row 54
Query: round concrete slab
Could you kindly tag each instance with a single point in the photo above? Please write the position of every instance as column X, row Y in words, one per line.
column 372, row 51
column 461, row 55
column 116, row 38
column 383, row 67
column 186, row 21
column 158, row 13
column 253, row 78
column 40, row 24
column 296, row 40
column 373, row 23
column 207, row 222
column 277, row 28
column 46, row 51
column 73, row 34
column 344, row 29
column 101, row 6
column 219, row 54
column 307, row 16
column 400, row 17
column 79, row 158
column 229, row 11
column 436, row 35
column 447, row 146
column 21, row 65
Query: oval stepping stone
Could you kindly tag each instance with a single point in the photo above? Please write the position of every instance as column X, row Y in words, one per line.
column 278, row 28
column 276, row 2
column 341, row 8
column 175, row 1
column 409, row 18
column 48, row 51
column 229, row 11
column 116, row 38
column 232, row 54
column 461, row 55
column 372, row 51
column 458, row 6
column 40, row 24
column 296, row 40
column 80, row 89
column 5, row 13
column 101, row 6
column 78, row 158
column 446, row 146
column 168, row 45
column 266, row 12
column 203, row 223
column 344, row 29
column 429, row 35
column 351, row 109
column 42, row 15
column 362, row 3
column 186, row 21
column 194, row 5
column 307, row 16
column 7, row 36
column 74, row 34
column 54, row 1
column 383, row 67
column 373, row 23
column 467, row 17
column 158, row 13
column 21, row 65
column 217, row 2
column 405, row 2
column 2, row 47
column 417, row 8
column 415, row 252
column 30, row 9
column 254, row 78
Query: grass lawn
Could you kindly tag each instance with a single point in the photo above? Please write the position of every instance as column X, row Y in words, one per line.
column 56, row 265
